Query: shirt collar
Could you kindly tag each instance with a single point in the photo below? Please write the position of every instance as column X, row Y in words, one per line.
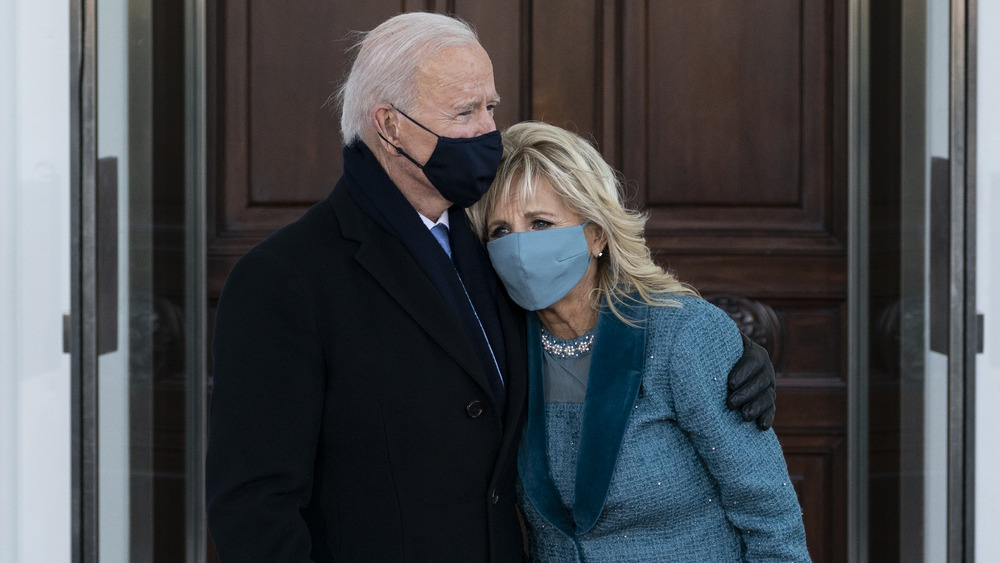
column 442, row 220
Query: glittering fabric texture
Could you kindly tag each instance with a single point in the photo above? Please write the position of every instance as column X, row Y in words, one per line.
column 693, row 482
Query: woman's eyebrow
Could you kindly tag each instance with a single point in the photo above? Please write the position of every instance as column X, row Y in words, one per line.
column 539, row 213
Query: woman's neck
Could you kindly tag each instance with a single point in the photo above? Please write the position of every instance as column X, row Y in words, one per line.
column 573, row 315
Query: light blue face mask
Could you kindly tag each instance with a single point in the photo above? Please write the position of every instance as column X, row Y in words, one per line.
column 540, row 267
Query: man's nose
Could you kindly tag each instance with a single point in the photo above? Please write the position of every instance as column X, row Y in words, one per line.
column 485, row 124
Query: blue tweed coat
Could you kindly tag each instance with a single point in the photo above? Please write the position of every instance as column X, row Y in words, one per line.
column 653, row 466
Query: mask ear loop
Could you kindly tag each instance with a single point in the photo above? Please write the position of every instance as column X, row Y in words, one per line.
column 592, row 256
column 399, row 150
column 415, row 121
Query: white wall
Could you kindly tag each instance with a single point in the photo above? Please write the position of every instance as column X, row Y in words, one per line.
column 988, row 270
column 34, row 281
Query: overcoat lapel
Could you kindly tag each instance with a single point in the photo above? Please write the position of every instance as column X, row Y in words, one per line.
column 612, row 388
column 512, row 324
column 396, row 271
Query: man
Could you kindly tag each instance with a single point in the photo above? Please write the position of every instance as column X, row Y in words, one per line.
column 370, row 371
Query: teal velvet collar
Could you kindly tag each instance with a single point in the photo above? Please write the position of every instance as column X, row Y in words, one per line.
column 612, row 387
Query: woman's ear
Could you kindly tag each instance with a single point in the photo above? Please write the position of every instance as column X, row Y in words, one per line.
column 597, row 240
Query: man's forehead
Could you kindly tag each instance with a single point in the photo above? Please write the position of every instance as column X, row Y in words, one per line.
column 457, row 79
column 456, row 63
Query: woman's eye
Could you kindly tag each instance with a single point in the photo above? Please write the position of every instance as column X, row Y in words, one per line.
column 540, row 224
column 499, row 232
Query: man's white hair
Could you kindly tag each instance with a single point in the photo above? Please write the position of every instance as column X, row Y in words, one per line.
column 386, row 63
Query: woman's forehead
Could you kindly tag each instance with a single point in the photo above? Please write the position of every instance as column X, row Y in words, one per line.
column 528, row 194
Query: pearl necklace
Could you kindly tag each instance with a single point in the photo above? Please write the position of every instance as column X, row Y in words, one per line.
column 567, row 348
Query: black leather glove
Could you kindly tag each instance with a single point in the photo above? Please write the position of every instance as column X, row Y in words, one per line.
column 751, row 385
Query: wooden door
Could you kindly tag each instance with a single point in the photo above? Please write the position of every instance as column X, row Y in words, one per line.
column 728, row 120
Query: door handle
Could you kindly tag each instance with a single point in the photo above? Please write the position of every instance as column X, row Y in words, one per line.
column 940, row 254
column 107, row 261
column 107, row 254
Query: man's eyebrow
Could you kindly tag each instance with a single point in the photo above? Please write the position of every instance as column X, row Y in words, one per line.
column 473, row 104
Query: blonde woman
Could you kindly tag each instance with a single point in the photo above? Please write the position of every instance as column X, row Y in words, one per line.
column 629, row 452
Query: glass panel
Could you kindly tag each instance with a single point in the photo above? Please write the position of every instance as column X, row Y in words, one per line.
column 142, row 372
column 910, row 266
column 930, row 313
column 123, row 367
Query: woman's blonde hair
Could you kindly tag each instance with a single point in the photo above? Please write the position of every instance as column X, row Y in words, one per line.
column 590, row 188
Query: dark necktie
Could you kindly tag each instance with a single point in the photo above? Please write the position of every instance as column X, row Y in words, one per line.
column 440, row 232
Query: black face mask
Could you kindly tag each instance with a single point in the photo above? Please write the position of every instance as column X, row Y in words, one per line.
column 461, row 169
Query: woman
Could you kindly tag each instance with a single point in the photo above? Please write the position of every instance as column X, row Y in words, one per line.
column 629, row 452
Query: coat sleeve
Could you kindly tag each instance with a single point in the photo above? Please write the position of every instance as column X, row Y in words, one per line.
column 265, row 414
column 746, row 463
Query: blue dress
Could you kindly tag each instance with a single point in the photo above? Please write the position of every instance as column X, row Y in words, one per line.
column 653, row 466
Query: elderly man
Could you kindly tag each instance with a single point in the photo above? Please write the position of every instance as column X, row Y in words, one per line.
column 369, row 369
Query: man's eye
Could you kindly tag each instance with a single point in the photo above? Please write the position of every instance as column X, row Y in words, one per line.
column 491, row 108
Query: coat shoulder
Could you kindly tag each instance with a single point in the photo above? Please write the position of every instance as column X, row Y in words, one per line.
column 689, row 316
column 692, row 333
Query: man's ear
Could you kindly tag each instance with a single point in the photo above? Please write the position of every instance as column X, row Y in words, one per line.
column 385, row 121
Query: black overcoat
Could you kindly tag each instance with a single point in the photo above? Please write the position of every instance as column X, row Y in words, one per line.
column 350, row 418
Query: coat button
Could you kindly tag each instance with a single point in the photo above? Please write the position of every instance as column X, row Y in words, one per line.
column 474, row 409
column 495, row 497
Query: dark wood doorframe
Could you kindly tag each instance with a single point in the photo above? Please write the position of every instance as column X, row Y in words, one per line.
column 963, row 318
column 858, row 296
column 83, row 299
column 195, row 290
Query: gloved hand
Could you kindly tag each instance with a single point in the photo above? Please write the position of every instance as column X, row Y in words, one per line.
column 751, row 385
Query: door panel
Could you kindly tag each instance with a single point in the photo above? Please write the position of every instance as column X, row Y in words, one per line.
column 728, row 102
column 278, row 144
column 727, row 119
